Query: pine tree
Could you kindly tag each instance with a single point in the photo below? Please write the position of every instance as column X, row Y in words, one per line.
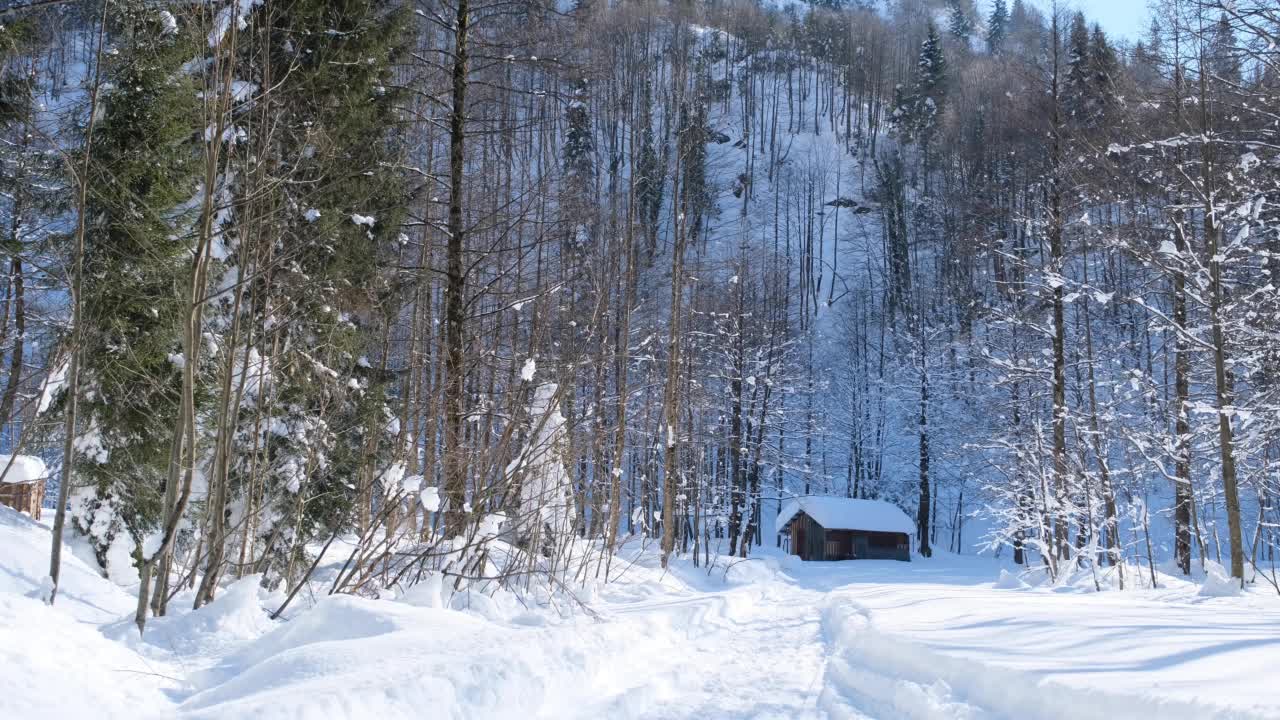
column 997, row 27
column 15, row 90
column 1021, row 22
column 651, row 180
column 932, row 70
column 695, row 193
column 916, row 112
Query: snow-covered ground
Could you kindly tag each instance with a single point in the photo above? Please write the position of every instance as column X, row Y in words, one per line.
column 764, row 638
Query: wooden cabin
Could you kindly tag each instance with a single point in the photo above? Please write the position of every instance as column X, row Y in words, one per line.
column 833, row 528
column 22, row 481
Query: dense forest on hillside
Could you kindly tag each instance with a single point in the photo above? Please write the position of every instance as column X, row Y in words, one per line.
column 492, row 287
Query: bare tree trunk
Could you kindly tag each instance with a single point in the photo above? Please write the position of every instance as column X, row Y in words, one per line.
column 1223, row 395
column 1183, row 498
column 1059, row 322
column 183, row 458
column 455, row 462
column 922, row 510
column 671, row 395
column 623, row 353
column 1222, row 381
column 72, row 392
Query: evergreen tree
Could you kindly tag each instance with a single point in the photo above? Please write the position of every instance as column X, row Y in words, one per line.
column 1076, row 84
column 1223, row 57
column 15, row 90
column 651, row 180
column 579, row 148
column 695, row 193
column 579, row 169
column 958, row 22
column 997, row 27
column 144, row 172
column 32, row 189
column 1145, row 67
column 1019, row 16
column 1103, row 67
column 918, row 112
column 327, row 440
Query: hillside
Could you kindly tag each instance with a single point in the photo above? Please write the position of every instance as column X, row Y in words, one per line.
column 385, row 357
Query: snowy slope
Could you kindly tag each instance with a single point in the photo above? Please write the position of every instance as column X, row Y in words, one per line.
column 56, row 661
column 764, row 638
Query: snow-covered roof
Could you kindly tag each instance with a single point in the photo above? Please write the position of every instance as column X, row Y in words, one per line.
column 837, row 513
column 25, row 469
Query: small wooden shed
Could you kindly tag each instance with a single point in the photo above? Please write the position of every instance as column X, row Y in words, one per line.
column 22, row 481
column 834, row 528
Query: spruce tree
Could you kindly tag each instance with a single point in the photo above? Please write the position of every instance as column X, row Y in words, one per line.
column 143, row 175
column 579, row 169
column 15, row 86
column 931, row 78
column 1102, row 67
column 1076, row 85
column 958, row 22
column 1223, row 57
column 327, row 441
column 651, row 174
column 997, row 27
column 579, row 148
column 916, row 112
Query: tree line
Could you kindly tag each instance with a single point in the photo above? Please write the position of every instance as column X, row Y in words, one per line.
column 494, row 290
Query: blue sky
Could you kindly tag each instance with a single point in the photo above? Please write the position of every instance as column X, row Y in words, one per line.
column 1127, row 19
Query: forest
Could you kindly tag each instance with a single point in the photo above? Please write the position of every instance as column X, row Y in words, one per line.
column 487, row 289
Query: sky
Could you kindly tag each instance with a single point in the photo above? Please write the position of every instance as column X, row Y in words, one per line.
column 1127, row 19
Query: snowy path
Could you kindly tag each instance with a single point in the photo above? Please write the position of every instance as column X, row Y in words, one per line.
column 780, row 640
column 888, row 641
column 751, row 653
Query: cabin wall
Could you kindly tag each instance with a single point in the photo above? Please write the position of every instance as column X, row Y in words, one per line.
column 807, row 538
column 23, row 497
column 886, row 546
column 815, row 539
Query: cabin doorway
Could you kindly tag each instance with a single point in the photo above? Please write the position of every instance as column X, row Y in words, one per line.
column 860, row 546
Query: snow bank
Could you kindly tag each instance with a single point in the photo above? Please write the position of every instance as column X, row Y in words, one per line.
column 902, row 679
column 765, row 637
column 238, row 614
column 24, row 570
column 1010, row 581
column 354, row 657
column 1218, row 582
column 1169, row 645
column 58, row 667
column 55, row 661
